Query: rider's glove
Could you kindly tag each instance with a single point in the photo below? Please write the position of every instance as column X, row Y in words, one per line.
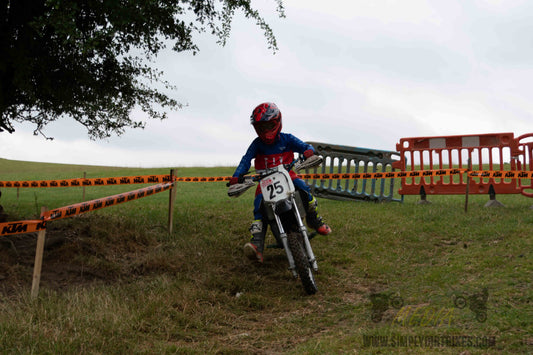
column 234, row 180
column 308, row 153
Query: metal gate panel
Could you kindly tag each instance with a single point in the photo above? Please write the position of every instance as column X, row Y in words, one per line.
column 340, row 159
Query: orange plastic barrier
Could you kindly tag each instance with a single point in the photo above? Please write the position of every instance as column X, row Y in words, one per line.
column 525, row 162
column 499, row 152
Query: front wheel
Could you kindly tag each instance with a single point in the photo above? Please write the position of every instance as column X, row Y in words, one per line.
column 301, row 262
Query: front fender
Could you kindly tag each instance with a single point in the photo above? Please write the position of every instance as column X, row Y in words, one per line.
column 282, row 206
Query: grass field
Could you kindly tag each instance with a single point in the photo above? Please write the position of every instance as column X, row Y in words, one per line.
column 114, row 281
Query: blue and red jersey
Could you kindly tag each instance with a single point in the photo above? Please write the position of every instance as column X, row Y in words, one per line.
column 271, row 155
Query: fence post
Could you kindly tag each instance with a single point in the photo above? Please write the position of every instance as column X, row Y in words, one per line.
column 39, row 250
column 84, row 177
column 172, row 197
column 467, row 191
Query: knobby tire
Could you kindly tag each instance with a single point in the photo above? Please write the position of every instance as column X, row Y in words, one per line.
column 301, row 262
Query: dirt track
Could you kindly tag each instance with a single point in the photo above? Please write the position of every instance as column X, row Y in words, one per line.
column 72, row 256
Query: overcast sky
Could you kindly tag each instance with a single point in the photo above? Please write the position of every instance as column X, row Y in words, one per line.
column 361, row 73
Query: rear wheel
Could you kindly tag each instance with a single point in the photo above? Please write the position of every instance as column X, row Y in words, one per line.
column 301, row 262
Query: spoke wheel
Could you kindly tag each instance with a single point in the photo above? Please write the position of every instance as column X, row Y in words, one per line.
column 301, row 262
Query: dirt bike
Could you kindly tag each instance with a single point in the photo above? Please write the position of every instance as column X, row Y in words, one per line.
column 381, row 302
column 477, row 303
column 283, row 209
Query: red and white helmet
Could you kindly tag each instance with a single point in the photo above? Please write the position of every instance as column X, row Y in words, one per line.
column 266, row 119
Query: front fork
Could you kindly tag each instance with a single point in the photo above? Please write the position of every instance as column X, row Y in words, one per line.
column 283, row 237
column 307, row 244
column 303, row 230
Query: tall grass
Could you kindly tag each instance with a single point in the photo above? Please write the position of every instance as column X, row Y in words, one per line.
column 140, row 290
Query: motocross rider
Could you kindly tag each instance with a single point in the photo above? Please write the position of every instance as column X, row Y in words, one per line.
column 272, row 148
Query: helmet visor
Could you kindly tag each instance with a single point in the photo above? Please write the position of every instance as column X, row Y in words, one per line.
column 265, row 127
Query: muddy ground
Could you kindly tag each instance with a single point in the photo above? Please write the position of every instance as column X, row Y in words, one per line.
column 76, row 255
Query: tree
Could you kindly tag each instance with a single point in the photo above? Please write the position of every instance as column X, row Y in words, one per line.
column 76, row 57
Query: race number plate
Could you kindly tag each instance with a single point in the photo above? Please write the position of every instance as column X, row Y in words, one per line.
column 276, row 187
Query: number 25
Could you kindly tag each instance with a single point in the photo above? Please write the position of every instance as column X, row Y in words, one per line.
column 275, row 188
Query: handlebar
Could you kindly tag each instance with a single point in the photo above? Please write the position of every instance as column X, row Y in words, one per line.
column 269, row 171
column 258, row 177
column 300, row 163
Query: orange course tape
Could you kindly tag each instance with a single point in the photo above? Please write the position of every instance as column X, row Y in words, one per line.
column 84, row 207
column 386, row 175
column 147, row 179
column 120, row 180
column 204, row 179
column 501, row 174
column 29, row 226
column 336, row 176
column 20, row 227
column 383, row 175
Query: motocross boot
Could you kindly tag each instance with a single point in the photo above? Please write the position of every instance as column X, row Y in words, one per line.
column 254, row 248
column 314, row 220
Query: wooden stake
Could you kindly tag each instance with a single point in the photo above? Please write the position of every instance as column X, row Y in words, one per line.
column 39, row 250
column 172, row 197
column 467, row 184
column 84, row 177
